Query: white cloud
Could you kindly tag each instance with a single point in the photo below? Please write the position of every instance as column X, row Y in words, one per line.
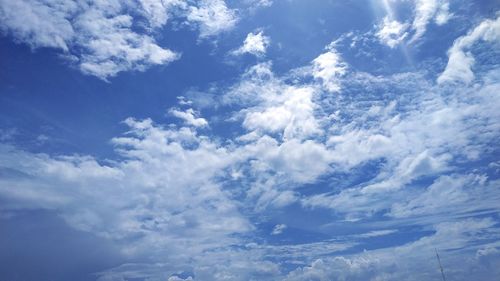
column 460, row 58
column 376, row 233
column 185, row 199
column 259, row 3
column 290, row 112
column 425, row 11
column 162, row 196
column 157, row 12
column 212, row 17
column 275, row 107
column 394, row 263
column 176, row 278
column 189, row 117
column 391, row 32
column 329, row 68
column 278, row 229
column 112, row 47
column 99, row 36
column 38, row 23
column 449, row 194
column 421, row 140
column 255, row 44
column 298, row 161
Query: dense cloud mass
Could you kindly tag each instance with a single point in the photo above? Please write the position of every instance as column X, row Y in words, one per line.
column 323, row 171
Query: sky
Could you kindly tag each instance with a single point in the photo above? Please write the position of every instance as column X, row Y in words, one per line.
column 170, row 140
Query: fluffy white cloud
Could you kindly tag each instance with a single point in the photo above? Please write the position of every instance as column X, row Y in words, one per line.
column 39, row 23
column 162, row 196
column 99, row 36
column 212, row 17
column 157, row 12
column 391, row 32
column 421, row 140
column 460, row 58
column 329, row 68
column 255, row 44
column 189, row 117
column 272, row 106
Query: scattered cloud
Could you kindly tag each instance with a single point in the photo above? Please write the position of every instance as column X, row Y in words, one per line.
column 425, row 12
column 255, row 44
column 329, row 68
column 212, row 17
column 259, row 3
column 391, row 32
column 460, row 58
column 101, row 38
column 278, row 229
column 189, row 117
column 386, row 155
column 394, row 263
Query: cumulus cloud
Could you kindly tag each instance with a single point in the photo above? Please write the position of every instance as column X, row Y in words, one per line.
column 329, row 68
column 391, row 32
column 272, row 106
column 460, row 58
column 99, row 37
column 255, row 44
column 189, row 117
column 212, row 17
column 163, row 168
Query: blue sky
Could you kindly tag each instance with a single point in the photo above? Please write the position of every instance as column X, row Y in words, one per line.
column 249, row 140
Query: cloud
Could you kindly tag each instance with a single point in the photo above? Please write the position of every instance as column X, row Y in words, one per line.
column 397, row 154
column 275, row 107
column 329, row 68
column 98, row 37
column 40, row 24
column 278, row 229
column 460, row 58
column 448, row 194
column 394, row 263
column 212, row 17
column 413, row 142
column 376, row 233
column 259, row 3
column 101, row 38
column 189, row 117
column 158, row 12
column 163, row 195
column 255, row 44
column 391, row 32
column 427, row 10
